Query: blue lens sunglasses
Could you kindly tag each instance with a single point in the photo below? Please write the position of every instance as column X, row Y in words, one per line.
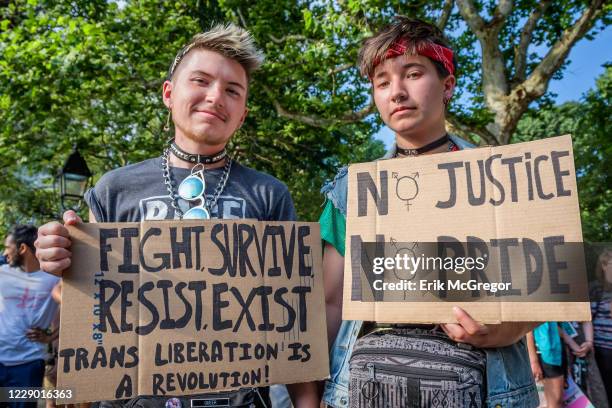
column 192, row 189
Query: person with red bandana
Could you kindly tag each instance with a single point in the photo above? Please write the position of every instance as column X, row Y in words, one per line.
column 412, row 71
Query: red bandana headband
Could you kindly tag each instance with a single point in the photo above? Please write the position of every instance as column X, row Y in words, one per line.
column 433, row 51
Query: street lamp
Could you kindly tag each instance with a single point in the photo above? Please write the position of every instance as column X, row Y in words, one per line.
column 73, row 180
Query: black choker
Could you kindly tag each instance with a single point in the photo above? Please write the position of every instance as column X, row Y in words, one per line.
column 414, row 152
column 197, row 158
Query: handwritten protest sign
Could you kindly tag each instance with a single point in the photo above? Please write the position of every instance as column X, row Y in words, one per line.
column 509, row 214
column 179, row 308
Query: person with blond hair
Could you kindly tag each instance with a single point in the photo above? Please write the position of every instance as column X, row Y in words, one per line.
column 195, row 176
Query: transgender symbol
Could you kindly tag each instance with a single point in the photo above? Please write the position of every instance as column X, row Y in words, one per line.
column 401, row 251
column 406, row 188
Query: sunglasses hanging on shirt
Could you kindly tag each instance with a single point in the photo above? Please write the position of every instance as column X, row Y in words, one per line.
column 193, row 188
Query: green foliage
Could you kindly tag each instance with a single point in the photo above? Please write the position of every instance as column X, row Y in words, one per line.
column 90, row 72
column 588, row 122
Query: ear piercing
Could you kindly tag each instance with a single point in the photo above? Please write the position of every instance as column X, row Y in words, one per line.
column 167, row 125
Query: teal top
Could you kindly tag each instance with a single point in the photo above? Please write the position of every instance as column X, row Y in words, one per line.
column 548, row 341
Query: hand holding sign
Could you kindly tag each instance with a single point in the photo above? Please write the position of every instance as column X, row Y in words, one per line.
column 53, row 243
column 468, row 330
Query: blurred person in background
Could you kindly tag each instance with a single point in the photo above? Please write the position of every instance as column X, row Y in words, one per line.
column 26, row 312
column 50, row 381
column 548, row 360
column 601, row 299
column 583, row 367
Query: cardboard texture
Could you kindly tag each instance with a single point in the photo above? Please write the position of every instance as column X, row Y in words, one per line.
column 529, row 193
column 188, row 307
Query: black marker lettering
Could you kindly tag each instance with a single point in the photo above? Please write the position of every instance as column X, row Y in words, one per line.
column 510, row 162
column 559, row 174
column 452, row 182
column 165, row 258
column 366, row 184
column 128, row 266
column 492, row 179
column 538, row 179
column 105, row 248
column 472, row 199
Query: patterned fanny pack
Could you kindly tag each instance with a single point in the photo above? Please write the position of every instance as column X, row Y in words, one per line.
column 413, row 368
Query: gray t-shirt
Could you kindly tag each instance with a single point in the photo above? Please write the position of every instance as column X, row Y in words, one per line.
column 137, row 192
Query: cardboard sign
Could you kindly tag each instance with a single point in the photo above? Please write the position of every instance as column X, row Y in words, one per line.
column 518, row 202
column 185, row 307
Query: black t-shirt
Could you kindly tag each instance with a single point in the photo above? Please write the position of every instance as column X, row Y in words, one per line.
column 137, row 192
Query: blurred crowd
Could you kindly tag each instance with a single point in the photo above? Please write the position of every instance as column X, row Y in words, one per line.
column 574, row 360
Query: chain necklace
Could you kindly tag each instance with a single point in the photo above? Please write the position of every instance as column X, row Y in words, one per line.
column 209, row 204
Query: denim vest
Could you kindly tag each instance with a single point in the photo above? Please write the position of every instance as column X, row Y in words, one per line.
column 509, row 379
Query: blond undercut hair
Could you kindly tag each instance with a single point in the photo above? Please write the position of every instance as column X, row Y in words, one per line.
column 229, row 40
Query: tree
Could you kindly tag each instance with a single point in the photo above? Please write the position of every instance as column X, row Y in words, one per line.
column 588, row 122
column 502, row 79
column 90, row 72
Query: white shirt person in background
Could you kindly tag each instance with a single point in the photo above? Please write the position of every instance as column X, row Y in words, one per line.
column 26, row 309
